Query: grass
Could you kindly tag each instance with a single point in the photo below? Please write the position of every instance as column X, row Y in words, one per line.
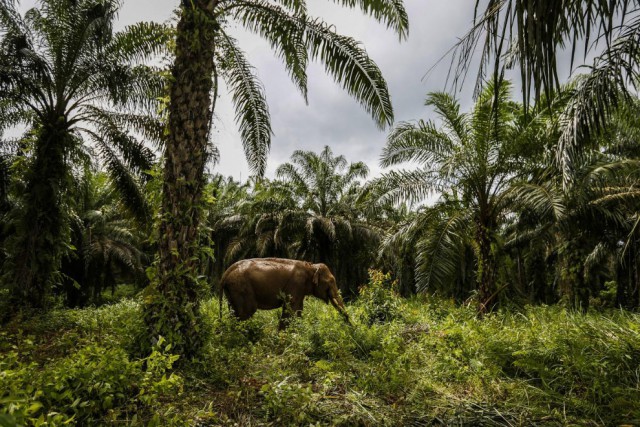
column 417, row 362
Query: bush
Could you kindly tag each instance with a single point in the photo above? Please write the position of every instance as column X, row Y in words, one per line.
column 288, row 403
column 380, row 298
column 119, row 324
column 429, row 362
column 96, row 384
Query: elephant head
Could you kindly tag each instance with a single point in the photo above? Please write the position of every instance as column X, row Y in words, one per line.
column 325, row 288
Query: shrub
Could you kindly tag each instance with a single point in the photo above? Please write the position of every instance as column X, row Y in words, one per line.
column 288, row 403
column 380, row 298
column 95, row 384
column 119, row 324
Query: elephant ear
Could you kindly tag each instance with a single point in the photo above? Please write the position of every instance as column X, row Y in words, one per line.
column 315, row 276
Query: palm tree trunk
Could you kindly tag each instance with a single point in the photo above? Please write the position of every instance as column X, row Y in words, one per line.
column 486, row 271
column 41, row 233
column 172, row 310
column 574, row 289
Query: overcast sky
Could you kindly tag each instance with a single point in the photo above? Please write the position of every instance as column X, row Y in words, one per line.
column 332, row 117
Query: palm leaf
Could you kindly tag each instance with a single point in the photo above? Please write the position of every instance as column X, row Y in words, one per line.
column 139, row 42
column 252, row 112
column 420, row 142
column 391, row 12
column 124, row 181
column 439, row 254
column 402, row 185
column 285, row 36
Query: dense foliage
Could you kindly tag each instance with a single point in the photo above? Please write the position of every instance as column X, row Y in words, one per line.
column 405, row 362
column 78, row 87
column 492, row 273
column 205, row 51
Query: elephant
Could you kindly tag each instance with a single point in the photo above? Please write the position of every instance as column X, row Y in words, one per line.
column 267, row 284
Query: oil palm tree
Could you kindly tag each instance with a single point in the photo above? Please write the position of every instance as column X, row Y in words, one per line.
column 107, row 242
column 583, row 227
column 67, row 76
column 331, row 227
column 534, row 34
column 205, row 50
column 586, row 226
column 470, row 161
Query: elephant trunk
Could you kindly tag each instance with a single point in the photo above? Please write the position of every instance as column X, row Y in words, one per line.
column 337, row 303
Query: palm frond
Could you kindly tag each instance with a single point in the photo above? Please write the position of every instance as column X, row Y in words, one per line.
column 285, row 36
column 124, row 181
column 402, row 185
column 540, row 199
column 289, row 172
column 391, row 12
column 151, row 128
column 448, row 108
column 252, row 111
column 420, row 142
column 342, row 56
column 439, row 254
column 139, row 42
column 323, row 225
column 296, row 6
column 596, row 258
column 350, row 66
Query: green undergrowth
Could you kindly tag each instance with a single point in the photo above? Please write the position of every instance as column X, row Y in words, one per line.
column 404, row 362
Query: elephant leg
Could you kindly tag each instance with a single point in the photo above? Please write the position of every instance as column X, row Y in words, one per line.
column 294, row 307
column 297, row 308
column 284, row 319
column 243, row 306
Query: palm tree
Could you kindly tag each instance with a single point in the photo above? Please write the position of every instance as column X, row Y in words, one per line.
column 329, row 221
column 582, row 227
column 107, row 241
column 69, row 78
column 470, row 161
column 533, row 34
column 205, row 51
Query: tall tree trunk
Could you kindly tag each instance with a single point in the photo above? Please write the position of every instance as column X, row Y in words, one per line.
column 406, row 265
column 573, row 287
column 41, row 234
column 173, row 299
column 486, row 270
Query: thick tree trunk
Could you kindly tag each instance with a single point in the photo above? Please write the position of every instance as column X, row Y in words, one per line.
column 572, row 286
column 41, row 233
column 485, row 271
column 172, row 309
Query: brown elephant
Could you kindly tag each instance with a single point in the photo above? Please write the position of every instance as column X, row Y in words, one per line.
column 267, row 283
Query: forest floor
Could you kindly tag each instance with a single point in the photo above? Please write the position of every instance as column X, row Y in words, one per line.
column 422, row 361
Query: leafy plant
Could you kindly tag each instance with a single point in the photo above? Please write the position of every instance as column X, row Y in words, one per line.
column 380, row 298
column 204, row 52
column 95, row 383
column 471, row 161
column 71, row 80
